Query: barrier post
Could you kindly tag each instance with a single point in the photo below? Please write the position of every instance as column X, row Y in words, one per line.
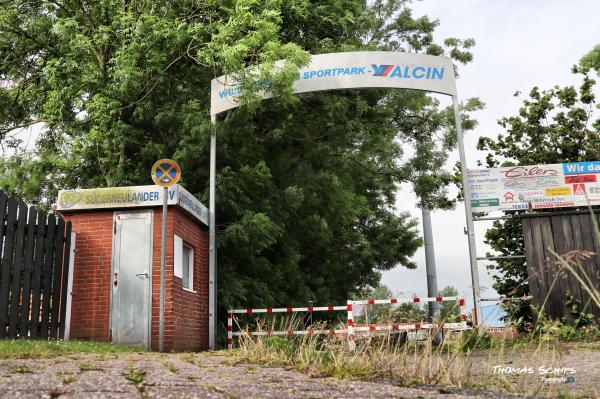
column 351, row 342
column 229, row 329
column 463, row 315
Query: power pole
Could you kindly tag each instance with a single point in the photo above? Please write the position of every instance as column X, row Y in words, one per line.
column 432, row 287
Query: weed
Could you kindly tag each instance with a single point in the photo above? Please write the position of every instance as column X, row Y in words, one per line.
column 83, row 367
column 171, row 367
column 22, row 369
column 212, row 387
column 69, row 379
column 138, row 378
column 188, row 357
column 65, row 372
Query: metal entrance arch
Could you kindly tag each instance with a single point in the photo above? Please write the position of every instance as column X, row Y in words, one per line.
column 351, row 70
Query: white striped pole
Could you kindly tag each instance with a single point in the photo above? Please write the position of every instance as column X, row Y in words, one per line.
column 290, row 310
column 463, row 315
column 351, row 342
column 230, row 330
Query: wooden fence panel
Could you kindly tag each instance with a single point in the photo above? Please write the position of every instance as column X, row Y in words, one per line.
column 36, row 295
column 7, row 263
column 47, row 280
column 34, row 261
column 15, row 292
column 561, row 233
column 28, row 273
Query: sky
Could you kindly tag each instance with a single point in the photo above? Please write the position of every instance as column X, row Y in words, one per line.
column 520, row 44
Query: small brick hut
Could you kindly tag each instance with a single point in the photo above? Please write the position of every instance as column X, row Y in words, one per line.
column 116, row 273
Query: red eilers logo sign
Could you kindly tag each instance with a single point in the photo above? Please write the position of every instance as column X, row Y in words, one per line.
column 523, row 171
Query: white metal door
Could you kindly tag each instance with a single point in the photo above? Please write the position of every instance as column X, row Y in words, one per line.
column 132, row 261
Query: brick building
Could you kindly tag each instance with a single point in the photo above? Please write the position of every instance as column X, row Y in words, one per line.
column 116, row 273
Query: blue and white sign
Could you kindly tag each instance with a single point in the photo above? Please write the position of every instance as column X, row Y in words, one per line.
column 581, row 168
column 130, row 197
column 361, row 69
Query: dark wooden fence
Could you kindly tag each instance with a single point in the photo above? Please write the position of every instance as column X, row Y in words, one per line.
column 34, row 260
column 561, row 232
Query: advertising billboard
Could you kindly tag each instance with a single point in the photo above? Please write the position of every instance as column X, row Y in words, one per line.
column 539, row 186
column 351, row 70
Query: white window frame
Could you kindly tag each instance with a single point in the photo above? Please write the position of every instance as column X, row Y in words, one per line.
column 178, row 245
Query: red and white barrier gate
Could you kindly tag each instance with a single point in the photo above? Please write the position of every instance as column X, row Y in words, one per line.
column 352, row 329
column 231, row 333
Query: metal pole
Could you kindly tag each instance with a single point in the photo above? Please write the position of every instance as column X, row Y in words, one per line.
column 432, row 288
column 163, row 255
column 469, row 214
column 212, row 251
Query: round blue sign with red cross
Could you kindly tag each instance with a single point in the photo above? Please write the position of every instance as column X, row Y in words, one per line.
column 165, row 172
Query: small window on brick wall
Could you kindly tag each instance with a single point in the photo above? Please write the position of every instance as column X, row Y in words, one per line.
column 184, row 263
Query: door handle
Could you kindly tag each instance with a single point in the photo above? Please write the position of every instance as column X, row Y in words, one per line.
column 145, row 274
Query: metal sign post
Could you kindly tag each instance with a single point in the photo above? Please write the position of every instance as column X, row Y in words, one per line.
column 469, row 215
column 212, row 250
column 165, row 173
column 350, row 70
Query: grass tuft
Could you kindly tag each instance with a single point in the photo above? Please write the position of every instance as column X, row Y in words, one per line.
column 22, row 370
column 32, row 349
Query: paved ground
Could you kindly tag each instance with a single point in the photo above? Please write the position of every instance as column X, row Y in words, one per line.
column 547, row 368
column 152, row 375
column 182, row 376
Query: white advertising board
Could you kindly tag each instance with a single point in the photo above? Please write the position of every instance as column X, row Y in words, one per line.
column 542, row 186
column 130, row 197
column 360, row 69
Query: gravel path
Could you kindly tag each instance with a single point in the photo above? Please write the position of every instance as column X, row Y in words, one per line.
column 200, row 375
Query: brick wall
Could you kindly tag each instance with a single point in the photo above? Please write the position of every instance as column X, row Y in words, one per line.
column 90, row 307
column 190, row 309
column 186, row 313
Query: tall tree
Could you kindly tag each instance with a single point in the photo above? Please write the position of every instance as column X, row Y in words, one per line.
column 449, row 310
column 306, row 184
column 552, row 126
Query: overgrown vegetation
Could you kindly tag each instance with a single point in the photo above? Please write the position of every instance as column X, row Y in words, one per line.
column 464, row 360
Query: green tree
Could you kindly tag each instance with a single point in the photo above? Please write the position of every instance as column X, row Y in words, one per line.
column 552, row 126
column 381, row 313
column 410, row 312
column 449, row 310
column 384, row 313
column 306, row 184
